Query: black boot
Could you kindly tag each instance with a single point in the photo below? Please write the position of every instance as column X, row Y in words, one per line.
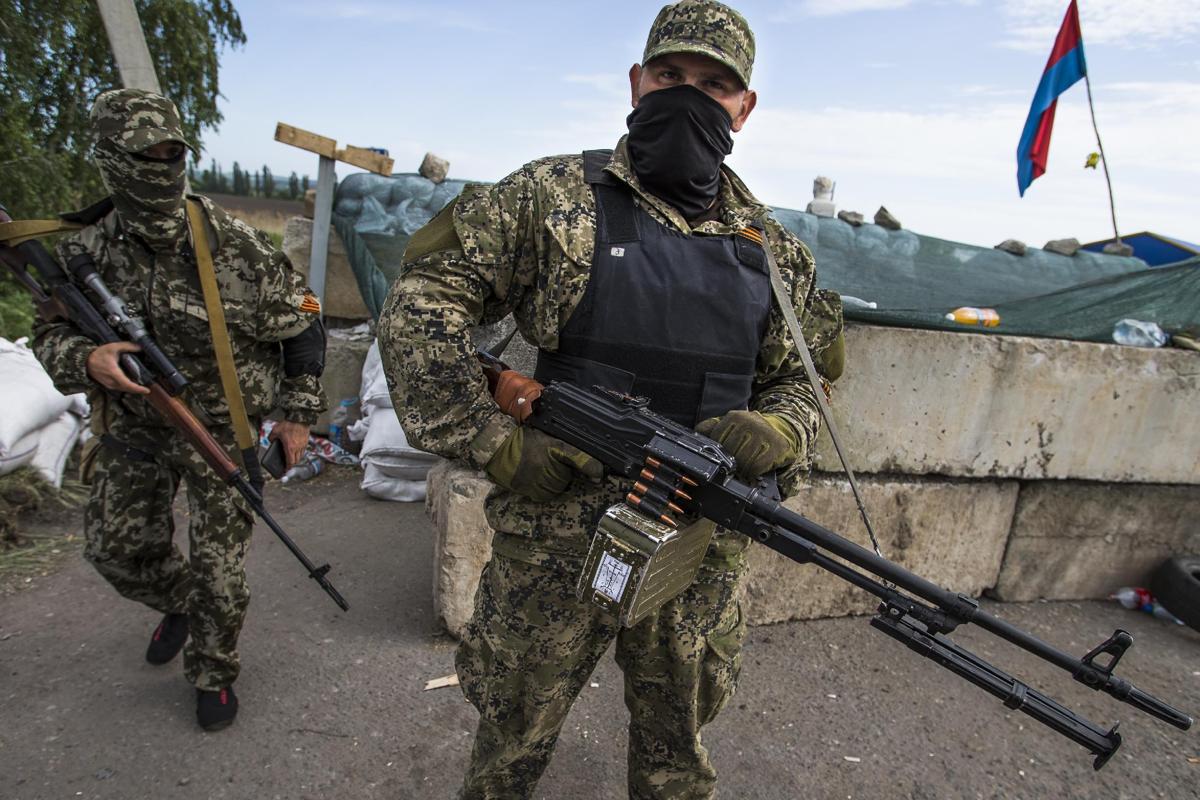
column 168, row 639
column 216, row 710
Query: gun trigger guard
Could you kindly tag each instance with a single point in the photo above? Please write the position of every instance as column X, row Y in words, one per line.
column 1115, row 646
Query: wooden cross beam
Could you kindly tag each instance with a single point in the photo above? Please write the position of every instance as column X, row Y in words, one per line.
column 329, row 152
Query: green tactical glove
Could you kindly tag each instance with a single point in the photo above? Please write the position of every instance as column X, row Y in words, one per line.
column 758, row 442
column 539, row 466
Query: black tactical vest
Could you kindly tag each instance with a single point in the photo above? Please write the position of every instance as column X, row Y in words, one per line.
column 673, row 317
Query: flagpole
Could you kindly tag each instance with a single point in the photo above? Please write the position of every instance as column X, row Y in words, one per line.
column 1112, row 206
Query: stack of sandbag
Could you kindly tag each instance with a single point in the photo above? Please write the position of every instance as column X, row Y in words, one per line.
column 39, row 426
column 392, row 469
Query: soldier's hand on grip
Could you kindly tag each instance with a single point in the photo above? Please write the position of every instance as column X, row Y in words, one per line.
column 539, row 466
column 104, row 367
column 758, row 442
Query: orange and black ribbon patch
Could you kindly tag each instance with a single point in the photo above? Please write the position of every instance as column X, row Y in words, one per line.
column 753, row 234
column 310, row 303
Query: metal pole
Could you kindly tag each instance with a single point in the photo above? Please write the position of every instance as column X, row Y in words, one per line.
column 322, row 215
column 1103, row 159
column 128, row 43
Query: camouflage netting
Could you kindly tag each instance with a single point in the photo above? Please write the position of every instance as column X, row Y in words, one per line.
column 913, row 280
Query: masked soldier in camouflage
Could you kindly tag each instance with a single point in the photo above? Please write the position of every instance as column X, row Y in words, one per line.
column 140, row 241
column 642, row 269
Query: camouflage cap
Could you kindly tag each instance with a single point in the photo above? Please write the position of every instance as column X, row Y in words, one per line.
column 707, row 28
column 135, row 119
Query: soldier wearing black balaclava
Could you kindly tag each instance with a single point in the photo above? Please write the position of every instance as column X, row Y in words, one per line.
column 643, row 269
column 141, row 243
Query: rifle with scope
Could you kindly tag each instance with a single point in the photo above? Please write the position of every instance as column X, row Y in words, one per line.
column 57, row 293
column 675, row 469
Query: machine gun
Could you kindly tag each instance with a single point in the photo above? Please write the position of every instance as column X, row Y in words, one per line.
column 58, row 294
column 677, row 472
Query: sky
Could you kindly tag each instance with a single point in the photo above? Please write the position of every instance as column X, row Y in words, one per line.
column 916, row 105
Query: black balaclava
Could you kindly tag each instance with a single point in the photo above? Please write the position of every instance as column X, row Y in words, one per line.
column 678, row 138
column 147, row 192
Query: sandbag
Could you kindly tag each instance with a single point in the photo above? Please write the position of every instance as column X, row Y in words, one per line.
column 19, row 454
column 382, row 487
column 387, row 449
column 27, row 396
column 373, row 391
column 55, row 443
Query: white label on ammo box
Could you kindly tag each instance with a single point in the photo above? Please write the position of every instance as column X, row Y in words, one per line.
column 611, row 577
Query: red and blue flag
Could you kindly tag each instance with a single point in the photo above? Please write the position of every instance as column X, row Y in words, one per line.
column 1065, row 68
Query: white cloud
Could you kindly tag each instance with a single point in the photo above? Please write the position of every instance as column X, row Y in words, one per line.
column 830, row 8
column 952, row 173
column 392, row 13
column 607, row 84
column 1032, row 24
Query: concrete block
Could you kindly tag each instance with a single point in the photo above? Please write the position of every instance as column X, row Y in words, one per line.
column 342, row 298
column 982, row 406
column 1074, row 541
column 462, row 540
column 342, row 377
column 952, row 533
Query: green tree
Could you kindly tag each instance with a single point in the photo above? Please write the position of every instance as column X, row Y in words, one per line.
column 237, row 179
column 293, row 186
column 55, row 59
column 304, row 184
column 257, row 183
column 268, row 183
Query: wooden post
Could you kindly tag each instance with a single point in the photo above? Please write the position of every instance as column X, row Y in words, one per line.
column 128, row 44
column 328, row 150
column 322, row 215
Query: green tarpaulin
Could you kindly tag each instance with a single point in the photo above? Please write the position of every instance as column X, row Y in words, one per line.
column 912, row 280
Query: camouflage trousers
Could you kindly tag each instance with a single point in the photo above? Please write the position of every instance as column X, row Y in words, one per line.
column 531, row 645
column 130, row 529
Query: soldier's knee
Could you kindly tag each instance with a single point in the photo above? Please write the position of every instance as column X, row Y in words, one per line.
column 720, row 666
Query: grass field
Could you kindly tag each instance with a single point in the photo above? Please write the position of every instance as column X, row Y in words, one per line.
column 268, row 214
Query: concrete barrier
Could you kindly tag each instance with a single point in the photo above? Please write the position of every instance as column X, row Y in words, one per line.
column 961, row 442
column 342, row 377
column 963, row 550
column 950, row 532
column 1075, row 541
column 982, row 406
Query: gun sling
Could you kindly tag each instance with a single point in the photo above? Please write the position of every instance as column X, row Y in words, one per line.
column 222, row 347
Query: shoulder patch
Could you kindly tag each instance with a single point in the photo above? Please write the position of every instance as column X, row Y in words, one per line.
column 310, row 304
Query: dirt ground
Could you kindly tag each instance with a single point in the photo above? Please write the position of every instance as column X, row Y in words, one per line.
column 333, row 704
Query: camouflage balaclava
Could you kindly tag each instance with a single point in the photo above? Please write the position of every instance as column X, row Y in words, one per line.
column 147, row 192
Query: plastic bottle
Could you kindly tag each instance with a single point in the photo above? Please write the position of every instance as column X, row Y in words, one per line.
column 1139, row 334
column 309, row 468
column 337, row 422
column 970, row 315
column 1142, row 600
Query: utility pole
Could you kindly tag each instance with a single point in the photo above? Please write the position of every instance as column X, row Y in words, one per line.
column 128, row 44
column 367, row 158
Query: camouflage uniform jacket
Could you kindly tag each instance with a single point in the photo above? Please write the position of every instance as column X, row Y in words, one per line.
column 261, row 294
column 524, row 246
